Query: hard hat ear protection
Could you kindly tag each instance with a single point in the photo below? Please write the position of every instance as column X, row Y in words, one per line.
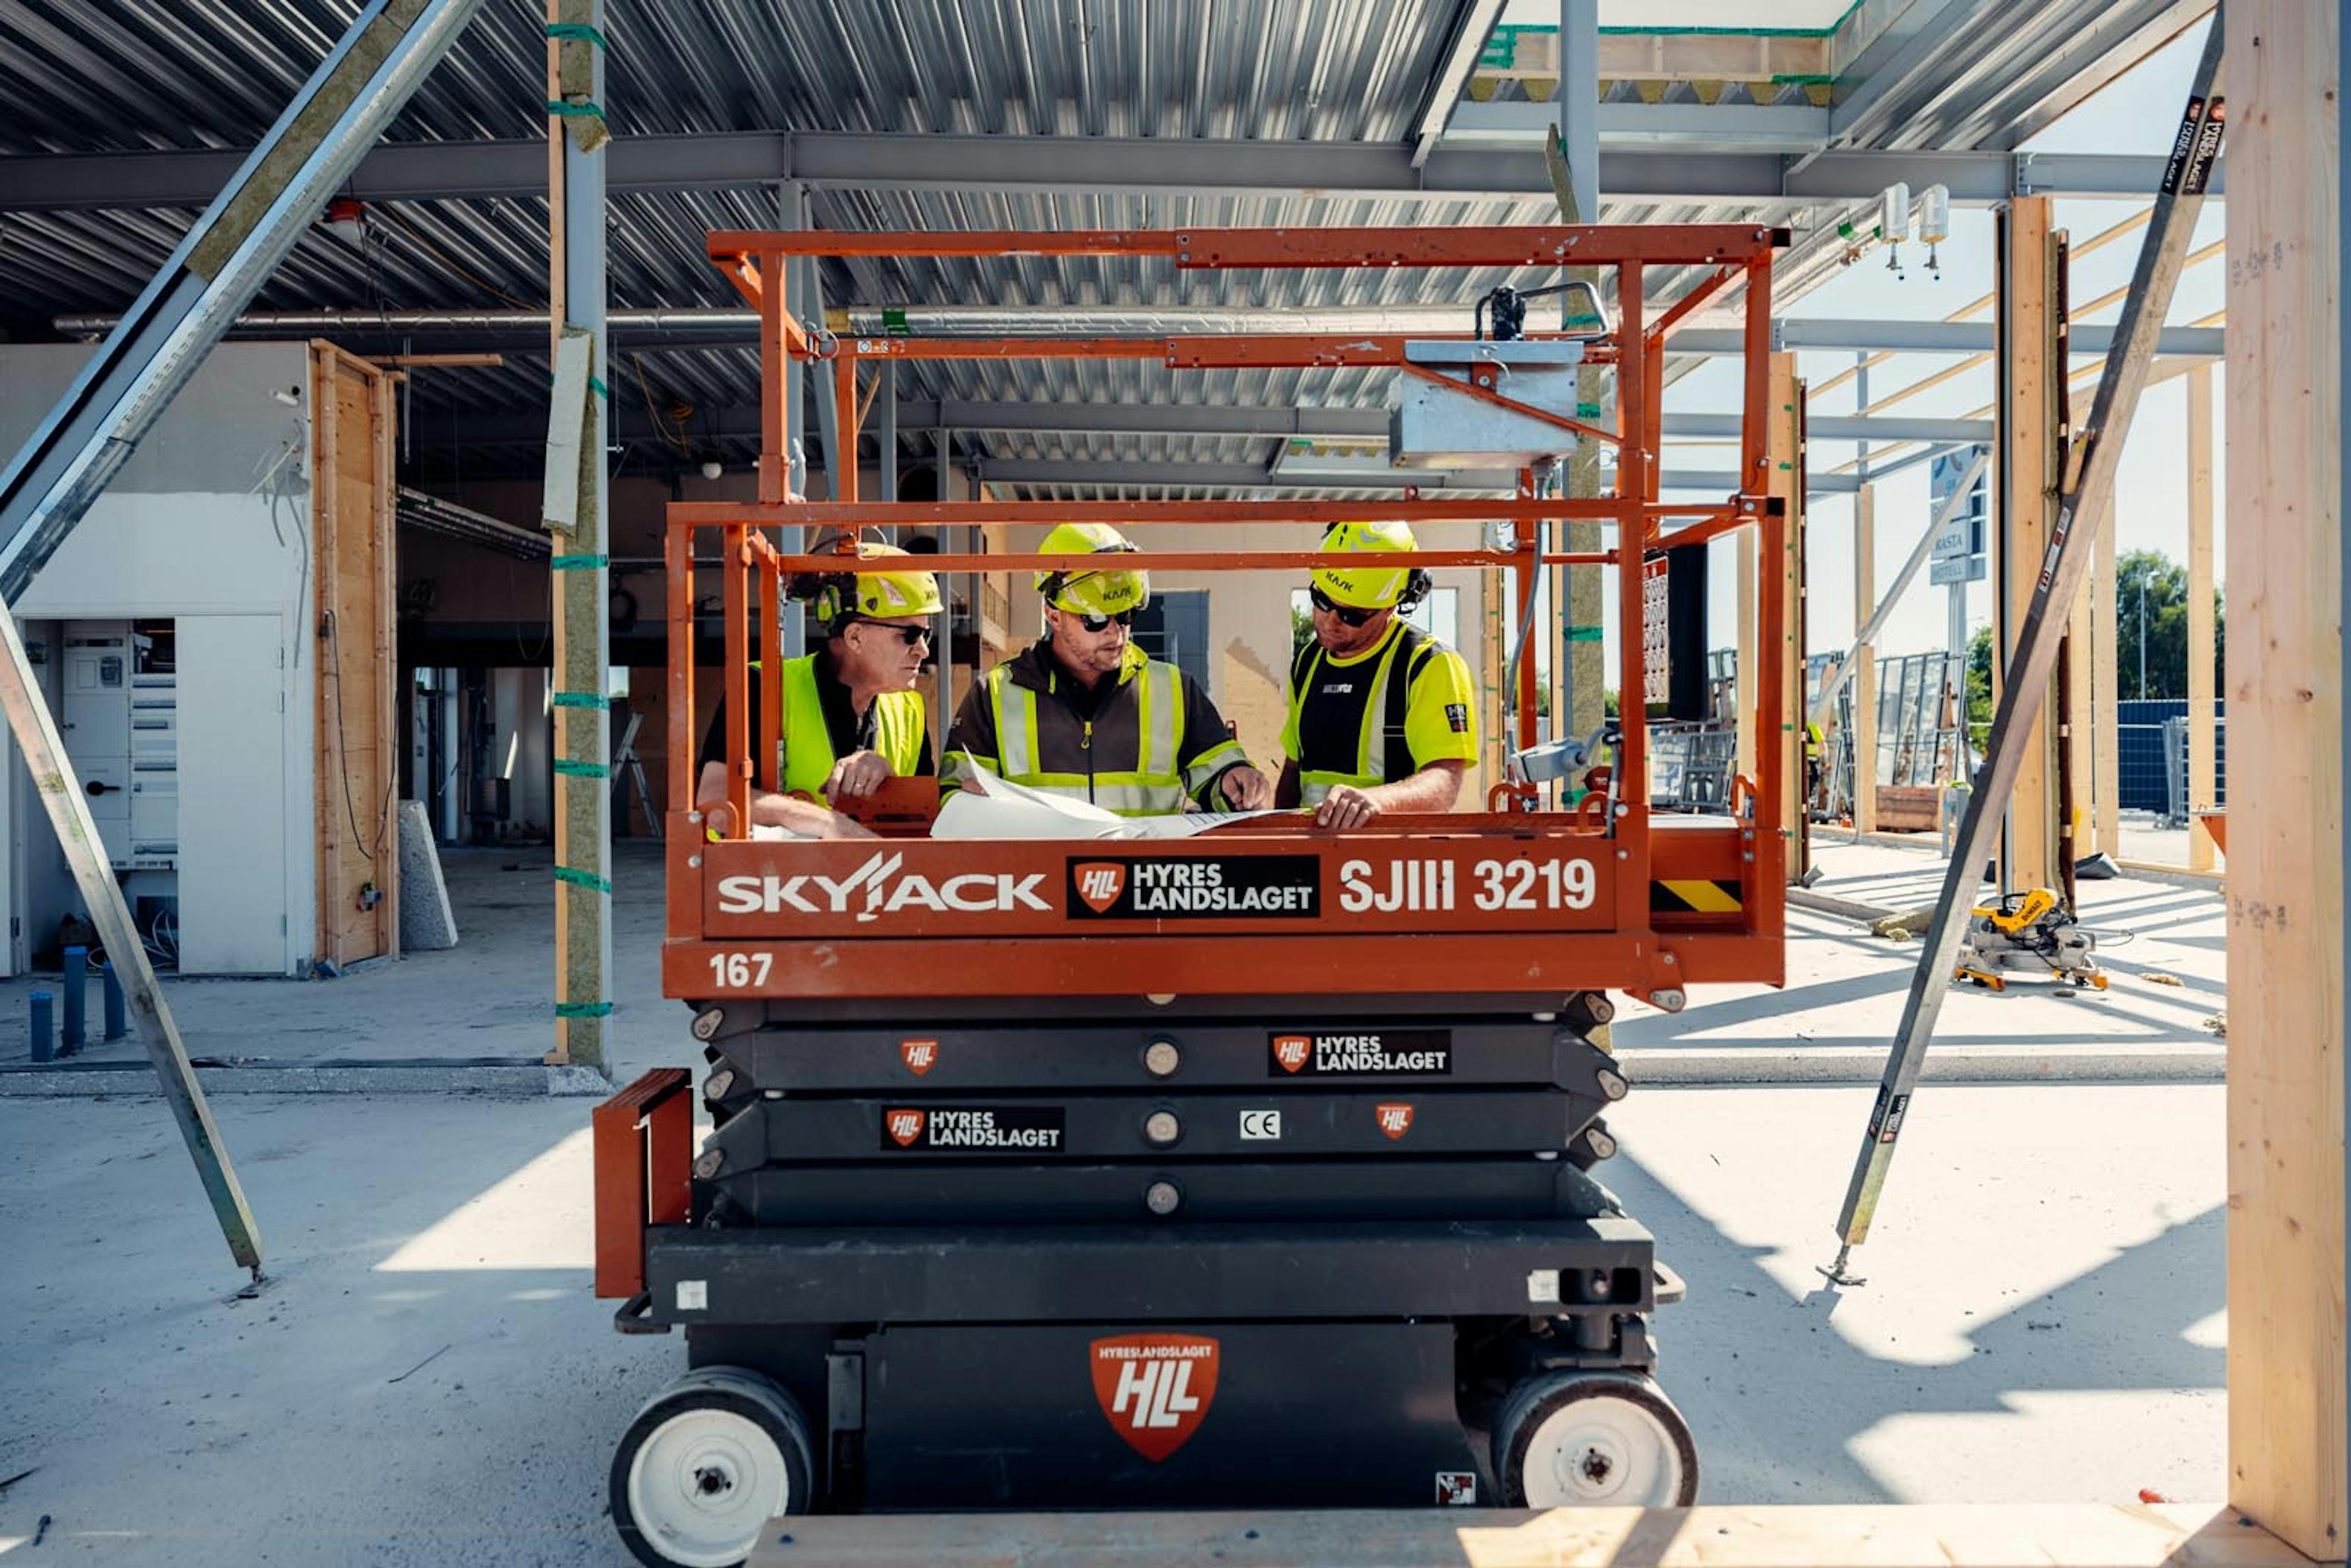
column 1417, row 584
column 829, row 594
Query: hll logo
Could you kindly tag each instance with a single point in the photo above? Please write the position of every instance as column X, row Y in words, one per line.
column 920, row 1055
column 906, row 1126
column 1292, row 1050
column 1156, row 1389
column 1099, row 882
column 1394, row 1120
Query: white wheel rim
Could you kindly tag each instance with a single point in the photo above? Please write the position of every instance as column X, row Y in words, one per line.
column 1601, row 1451
column 703, row 1483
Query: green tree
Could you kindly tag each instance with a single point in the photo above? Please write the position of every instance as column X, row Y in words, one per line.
column 2166, row 610
column 2151, row 602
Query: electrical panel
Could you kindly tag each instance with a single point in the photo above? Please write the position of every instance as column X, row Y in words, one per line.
column 120, row 722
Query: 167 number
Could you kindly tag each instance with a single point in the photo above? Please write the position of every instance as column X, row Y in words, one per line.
column 733, row 971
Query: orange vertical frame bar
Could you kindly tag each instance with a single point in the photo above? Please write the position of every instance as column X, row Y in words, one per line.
column 843, row 463
column 776, row 370
column 769, row 763
column 734, row 567
column 1632, row 394
column 1768, row 870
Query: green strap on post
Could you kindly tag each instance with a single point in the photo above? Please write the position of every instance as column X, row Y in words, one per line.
column 583, row 1010
column 1583, row 635
column 582, row 769
column 579, row 562
column 582, row 878
column 576, row 110
column 580, row 30
column 582, row 699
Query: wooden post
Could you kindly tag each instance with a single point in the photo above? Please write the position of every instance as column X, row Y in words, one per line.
column 1784, row 451
column 2289, row 1443
column 2029, row 416
column 2105, row 697
column 1864, row 673
column 2199, row 615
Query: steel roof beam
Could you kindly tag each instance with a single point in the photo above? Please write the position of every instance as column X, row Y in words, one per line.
column 445, row 170
column 1334, row 426
column 1250, row 475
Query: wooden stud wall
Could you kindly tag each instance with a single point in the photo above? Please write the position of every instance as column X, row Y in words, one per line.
column 2201, row 793
column 1865, row 672
column 2028, row 418
column 350, row 641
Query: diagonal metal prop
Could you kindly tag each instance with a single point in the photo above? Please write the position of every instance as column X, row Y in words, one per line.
column 47, row 486
column 2085, row 488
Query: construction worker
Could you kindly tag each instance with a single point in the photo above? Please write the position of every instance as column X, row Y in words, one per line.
column 1382, row 716
column 1084, row 713
column 850, row 717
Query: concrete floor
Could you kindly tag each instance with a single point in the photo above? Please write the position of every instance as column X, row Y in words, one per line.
column 426, row 1378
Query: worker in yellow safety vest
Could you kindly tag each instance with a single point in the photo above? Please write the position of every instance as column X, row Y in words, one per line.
column 1382, row 717
column 1084, row 713
column 850, row 715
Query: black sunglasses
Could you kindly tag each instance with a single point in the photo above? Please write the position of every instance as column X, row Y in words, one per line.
column 1101, row 624
column 1347, row 613
column 909, row 635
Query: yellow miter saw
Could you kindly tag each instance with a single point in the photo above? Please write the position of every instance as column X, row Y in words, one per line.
column 2032, row 932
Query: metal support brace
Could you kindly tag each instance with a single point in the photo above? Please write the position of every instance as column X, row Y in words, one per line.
column 2085, row 486
column 95, row 427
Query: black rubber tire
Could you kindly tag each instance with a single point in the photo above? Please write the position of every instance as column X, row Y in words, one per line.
column 1525, row 1408
column 737, row 1391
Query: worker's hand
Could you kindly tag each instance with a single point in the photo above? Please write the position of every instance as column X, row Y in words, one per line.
column 856, row 775
column 1246, row 790
column 1345, row 807
column 718, row 819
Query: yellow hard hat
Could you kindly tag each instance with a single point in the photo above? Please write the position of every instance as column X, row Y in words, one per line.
column 878, row 595
column 1368, row 586
column 1091, row 592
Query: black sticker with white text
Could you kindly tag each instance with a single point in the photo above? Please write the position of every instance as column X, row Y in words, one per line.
column 1030, row 1129
column 1368, row 1054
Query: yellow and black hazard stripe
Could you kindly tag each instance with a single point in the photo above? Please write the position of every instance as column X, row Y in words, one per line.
column 1697, row 896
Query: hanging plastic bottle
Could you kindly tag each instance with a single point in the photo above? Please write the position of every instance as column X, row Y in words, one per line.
column 1934, row 224
column 1894, row 223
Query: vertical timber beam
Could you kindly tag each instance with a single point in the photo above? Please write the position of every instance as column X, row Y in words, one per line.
column 2032, row 385
column 2199, row 616
column 2289, row 1383
column 577, row 136
column 1784, row 477
column 1864, row 739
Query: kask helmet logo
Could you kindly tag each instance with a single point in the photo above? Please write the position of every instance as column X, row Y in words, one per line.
column 1155, row 1389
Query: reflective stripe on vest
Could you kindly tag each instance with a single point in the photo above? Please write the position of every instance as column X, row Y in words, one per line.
column 808, row 756
column 1381, row 726
column 1152, row 785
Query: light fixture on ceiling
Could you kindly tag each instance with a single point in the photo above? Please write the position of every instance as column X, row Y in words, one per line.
column 712, row 468
column 347, row 216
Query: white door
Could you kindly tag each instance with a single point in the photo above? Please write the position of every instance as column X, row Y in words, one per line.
column 232, row 733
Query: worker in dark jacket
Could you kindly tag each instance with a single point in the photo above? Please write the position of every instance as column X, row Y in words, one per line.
column 1084, row 713
column 1382, row 716
column 850, row 717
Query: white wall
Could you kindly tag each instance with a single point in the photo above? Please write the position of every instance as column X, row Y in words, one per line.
column 189, row 527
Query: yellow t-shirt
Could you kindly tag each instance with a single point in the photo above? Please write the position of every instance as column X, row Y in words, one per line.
column 1341, row 711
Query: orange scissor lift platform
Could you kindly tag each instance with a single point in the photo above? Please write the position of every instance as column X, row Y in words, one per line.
column 1013, row 1139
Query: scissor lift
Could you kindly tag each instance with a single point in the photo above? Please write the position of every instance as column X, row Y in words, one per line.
column 1041, row 1177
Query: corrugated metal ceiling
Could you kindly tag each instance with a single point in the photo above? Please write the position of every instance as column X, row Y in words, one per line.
column 149, row 74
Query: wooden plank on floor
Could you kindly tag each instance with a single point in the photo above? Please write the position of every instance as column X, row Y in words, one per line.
column 2289, row 1431
column 1951, row 1535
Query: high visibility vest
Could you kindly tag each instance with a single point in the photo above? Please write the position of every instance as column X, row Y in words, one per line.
column 1123, row 758
column 1380, row 751
column 807, row 745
